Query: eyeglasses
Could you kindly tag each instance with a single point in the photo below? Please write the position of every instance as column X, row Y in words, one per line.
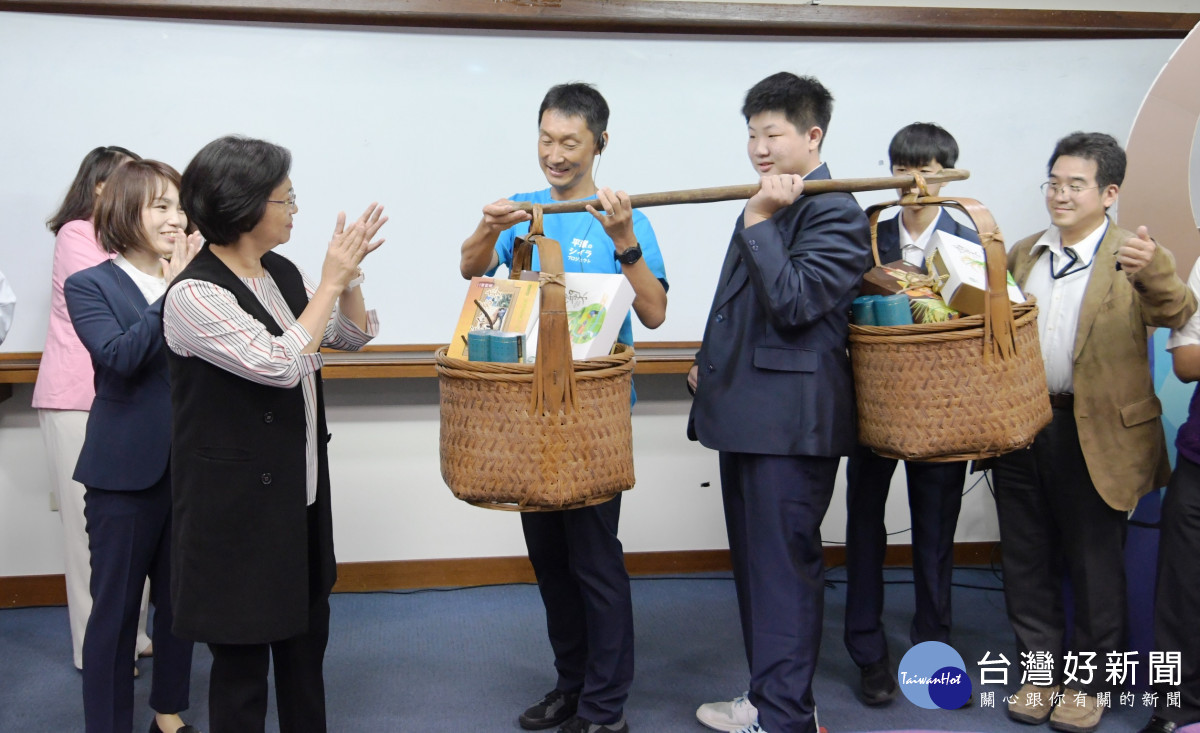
column 1050, row 188
column 291, row 200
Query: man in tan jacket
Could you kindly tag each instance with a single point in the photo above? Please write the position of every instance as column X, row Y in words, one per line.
column 1063, row 502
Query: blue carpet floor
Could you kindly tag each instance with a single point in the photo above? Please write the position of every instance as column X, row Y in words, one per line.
column 472, row 659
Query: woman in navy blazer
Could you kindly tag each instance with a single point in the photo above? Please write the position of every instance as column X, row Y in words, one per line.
column 116, row 308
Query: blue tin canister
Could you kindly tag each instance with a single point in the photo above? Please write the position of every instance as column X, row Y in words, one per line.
column 863, row 310
column 507, row 346
column 893, row 310
column 479, row 342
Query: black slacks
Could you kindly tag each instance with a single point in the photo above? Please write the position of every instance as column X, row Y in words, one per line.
column 580, row 569
column 934, row 499
column 129, row 536
column 237, row 691
column 238, row 683
column 773, row 511
column 1054, row 525
column 1177, row 593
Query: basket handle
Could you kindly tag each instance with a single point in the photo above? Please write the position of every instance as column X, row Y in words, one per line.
column 523, row 251
column 553, row 371
column 999, row 333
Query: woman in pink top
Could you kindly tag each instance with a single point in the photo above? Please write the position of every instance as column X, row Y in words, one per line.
column 63, row 393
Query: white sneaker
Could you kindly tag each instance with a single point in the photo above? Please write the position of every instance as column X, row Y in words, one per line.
column 735, row 716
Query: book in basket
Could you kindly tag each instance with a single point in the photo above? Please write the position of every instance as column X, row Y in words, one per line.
column 597, row 305
column 497, row 304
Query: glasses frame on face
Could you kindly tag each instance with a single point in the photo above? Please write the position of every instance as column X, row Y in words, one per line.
column 1050, row 188
column 290, row 201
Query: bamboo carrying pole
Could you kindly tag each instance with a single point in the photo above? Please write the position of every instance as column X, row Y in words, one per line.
column 733, row 193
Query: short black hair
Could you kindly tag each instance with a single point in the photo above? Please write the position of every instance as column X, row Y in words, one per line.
column 917, row 144
column 1103, row 149
column 802, row 99
column 225, row 188
column 578, row 99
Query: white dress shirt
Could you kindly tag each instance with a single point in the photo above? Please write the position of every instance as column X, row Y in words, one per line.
column 1189, row 335
column 8, row 303
column 1059, row 300
column 913, row 251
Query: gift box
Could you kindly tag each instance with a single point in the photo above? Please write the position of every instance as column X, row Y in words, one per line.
column 892, row 278
column 960, row 262
column 922, row 289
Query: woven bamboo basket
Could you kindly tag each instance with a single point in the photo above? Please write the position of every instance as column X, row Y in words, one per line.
column 970, row 388
column 538, row 437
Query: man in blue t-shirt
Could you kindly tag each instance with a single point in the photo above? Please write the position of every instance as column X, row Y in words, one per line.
column 576, row 556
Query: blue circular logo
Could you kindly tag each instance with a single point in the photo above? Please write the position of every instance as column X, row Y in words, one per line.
column 932, row 675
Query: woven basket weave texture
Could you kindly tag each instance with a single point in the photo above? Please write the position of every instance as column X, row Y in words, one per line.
column 494, row 452
column 933, row 396
column 970, row 388
column 543, row 437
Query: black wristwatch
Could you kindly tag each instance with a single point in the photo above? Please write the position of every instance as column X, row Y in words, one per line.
column 629, row 256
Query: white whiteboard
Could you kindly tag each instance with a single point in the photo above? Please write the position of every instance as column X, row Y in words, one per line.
column 435, row 124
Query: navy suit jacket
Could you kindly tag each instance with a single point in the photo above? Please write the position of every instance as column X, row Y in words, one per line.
column 128, row 440
column 774, row 374
column 887, row 235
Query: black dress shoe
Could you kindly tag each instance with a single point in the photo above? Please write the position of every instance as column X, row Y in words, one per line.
column 1159, row 725
column 877, row 685
column 555, row 708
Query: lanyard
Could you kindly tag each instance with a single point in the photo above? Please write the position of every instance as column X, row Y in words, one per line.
column 1073, row 266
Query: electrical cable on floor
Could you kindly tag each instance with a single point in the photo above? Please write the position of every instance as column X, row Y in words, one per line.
column 984, row 477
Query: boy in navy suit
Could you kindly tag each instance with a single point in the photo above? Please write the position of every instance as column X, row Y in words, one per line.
column 774, row 394
column 934, row 489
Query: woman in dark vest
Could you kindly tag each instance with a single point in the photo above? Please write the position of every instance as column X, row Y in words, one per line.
column 253, row 561
column 116, row 309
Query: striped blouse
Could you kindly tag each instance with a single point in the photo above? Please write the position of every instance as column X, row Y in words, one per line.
column 204, row 320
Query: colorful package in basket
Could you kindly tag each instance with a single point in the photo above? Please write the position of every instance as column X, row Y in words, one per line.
column 890, row 278
column 496, row 304
column 961, row 263
column 596, row 307
column 902, row 277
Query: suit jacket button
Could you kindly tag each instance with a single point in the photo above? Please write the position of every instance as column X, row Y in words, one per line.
column 266, row 479
column 720, row 317
column 711, row 369
column 269, row 417
column 751, row 241
column 754, row 246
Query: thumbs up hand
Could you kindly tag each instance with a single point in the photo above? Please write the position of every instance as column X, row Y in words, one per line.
column 1137, row 251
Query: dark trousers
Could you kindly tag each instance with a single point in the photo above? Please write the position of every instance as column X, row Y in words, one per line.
column 237, row 690
column 1177, row 595
column 773, row 511
column 237, row 696
column 934, row 498
column 580, row 569
column 1054, row 525
column 129, row 536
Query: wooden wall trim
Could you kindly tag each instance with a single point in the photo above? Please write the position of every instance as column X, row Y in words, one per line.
column 364, row 577
column 387, row 362
column 651, row 16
